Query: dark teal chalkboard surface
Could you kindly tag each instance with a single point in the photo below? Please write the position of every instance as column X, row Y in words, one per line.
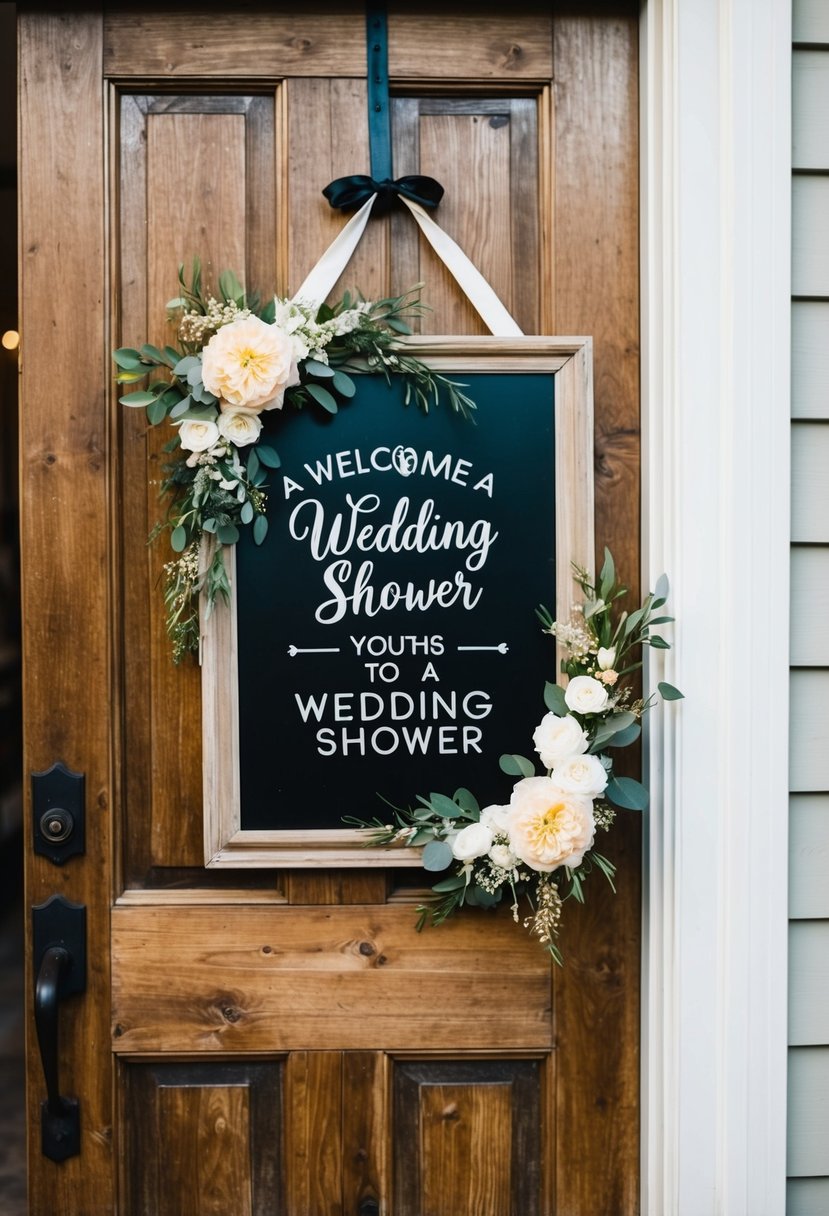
column 386, row 630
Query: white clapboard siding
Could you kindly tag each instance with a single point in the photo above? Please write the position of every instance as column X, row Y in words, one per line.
column 810, row 480
column 808, row 1112
column 808, row 982
column 810, row 356
column 807, row 1197
column 809, row 857
column 810, row 236
column 810, row 109
column 810, row 21
column 809, row 731
column 808, row 631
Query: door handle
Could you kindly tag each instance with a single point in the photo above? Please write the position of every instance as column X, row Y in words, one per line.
column 59, row 935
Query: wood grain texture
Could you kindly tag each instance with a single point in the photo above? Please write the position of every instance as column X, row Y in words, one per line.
column 314, row 1138
column 808, row 855
column 204, row 1140
column 367, row 1129
column 65, row 445
column 267, row 979
column 246, row 42
column 484, row 152
column 467, row 1138
column 596, row 292
column 326, row 129
column 425, row 44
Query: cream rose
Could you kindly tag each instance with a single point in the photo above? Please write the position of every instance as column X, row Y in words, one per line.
column 501, row 855
column 496, row 819
column 197, row 436
column 239, row 426
column 548, row 826
column 249, row 364
column 581, row 775
column 471, row 842
column 584, row 695
column 557, row 739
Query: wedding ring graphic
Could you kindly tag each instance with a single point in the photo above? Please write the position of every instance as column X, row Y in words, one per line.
column 404, row 460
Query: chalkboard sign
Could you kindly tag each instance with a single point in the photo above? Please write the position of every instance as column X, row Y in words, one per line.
column 383, row 641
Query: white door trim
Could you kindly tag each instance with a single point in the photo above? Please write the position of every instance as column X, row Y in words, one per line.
column 716, row 163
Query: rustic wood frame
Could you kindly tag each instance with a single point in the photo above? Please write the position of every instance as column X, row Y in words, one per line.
column 226, row 844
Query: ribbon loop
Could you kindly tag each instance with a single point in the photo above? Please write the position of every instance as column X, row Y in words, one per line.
column 350, row 193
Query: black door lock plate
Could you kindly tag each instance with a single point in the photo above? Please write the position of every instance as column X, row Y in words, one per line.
column 58, row 805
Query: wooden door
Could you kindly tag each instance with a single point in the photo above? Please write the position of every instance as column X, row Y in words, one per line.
column 482, row 1084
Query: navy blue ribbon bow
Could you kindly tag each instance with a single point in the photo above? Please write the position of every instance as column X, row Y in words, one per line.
column 349, row 193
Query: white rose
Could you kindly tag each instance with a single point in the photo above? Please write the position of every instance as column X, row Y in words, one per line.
column 496, row 819
column 197, row 436
column 584, row 695
column 606, row 657
column 556, row 739
column 239, row 426
column 249, row 364
column 471, row 842
column 548, row 826
column 581, row 775
column 502, row 855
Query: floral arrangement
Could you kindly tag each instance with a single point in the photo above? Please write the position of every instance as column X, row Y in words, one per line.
column 237, row 361
column 541, row 845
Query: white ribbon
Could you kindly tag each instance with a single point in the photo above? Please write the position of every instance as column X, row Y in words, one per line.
column 333, row 262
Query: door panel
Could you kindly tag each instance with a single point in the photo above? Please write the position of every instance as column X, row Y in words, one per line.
column 286, row 1042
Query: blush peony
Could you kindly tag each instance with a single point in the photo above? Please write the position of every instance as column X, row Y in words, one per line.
column 249, row 364
column 548, row 827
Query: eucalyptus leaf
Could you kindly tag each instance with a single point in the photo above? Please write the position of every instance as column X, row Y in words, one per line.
column 658, row 643
column 268, row 313
column 662, row 587
column 625, row 737
column 627, row 793
column 230, row 287
column 669, row 692
column 449, row 884
column 444, row 806
column 260, row 528
column 246, row 513
column 555, row 701
column 516, row 766
column 467, row 801
column 156, row 411
column 127, row 358
column 209, row 524
column 131, row 377
column 228, row 534
column 322, row 397
column 184, row 365
column 608, row 576
column 437, row 855
column 152, row 352
column 399, row 327
column 179, row 410
column 268, row 456
column 178, row 539
column 139, row 398
column 344, row 385
column 253, row 463
column 321, row 370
